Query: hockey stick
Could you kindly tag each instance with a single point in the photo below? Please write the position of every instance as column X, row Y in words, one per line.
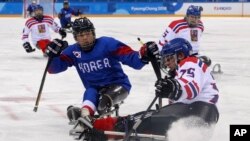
column 152, row 136
column 41, row 85
column 158, row 75
column 136, row 125
column 157, row 70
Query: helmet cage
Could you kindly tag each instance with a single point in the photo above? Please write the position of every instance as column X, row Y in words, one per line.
column 172, row 49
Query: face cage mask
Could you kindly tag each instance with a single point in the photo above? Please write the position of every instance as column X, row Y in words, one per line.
column 168, row 57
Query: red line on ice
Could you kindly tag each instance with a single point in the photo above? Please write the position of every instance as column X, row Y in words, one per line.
column 9, row 111
column 58, row 111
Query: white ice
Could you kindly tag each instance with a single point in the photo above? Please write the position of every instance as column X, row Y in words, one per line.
column 225, row 40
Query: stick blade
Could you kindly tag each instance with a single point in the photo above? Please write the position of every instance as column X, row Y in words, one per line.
column 35, row 109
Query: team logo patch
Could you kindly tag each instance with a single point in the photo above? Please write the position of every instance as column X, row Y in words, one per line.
column 77, row 54
column 41, row 28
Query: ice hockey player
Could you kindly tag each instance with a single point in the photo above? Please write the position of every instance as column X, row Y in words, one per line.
column 192, row 90
column 191, row 28
column 39, row 29
column 97, row 61
column 66, row 14
column 31, row 7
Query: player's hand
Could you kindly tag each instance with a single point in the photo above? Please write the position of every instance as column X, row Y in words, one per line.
column 28, row 47
column 206, row 60
column 168, row 88
column 55, row 47
column 62, row 33
column 149, row 51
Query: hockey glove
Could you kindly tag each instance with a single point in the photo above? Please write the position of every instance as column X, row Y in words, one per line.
column 149, row 51
column 168, row 88
column 28, row 47
column 55, row 47
column 62, row 33
column 206, row 60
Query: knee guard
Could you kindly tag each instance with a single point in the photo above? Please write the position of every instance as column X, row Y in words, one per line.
column 110, row 96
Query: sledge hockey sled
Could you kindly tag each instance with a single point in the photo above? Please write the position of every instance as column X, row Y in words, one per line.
column 86, row 131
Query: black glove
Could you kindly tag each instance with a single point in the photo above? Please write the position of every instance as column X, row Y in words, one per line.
column 62, row 33
column 28, row 47
column 206, row 60
column 55, row 47
column 168, row 88
column 149, row 51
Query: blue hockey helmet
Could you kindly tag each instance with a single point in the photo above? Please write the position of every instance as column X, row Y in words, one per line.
column 38, row 7
column 80, row 26
column 38, row 13
column 194, row 10
column 172, row 50
column 176, row 46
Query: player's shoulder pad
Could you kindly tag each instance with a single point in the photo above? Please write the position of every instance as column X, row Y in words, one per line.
column 176, row 23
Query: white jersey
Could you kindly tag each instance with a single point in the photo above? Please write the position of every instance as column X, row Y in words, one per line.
column 196, row 81
column 39, row 30
column 180, row 29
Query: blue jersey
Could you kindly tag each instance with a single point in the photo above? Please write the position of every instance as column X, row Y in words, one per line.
column 101, row 66
column 65, row 16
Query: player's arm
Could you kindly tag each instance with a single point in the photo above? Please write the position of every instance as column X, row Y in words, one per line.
column 187, row 85
column 189, row 77
column 54, row 26
column 167, row 35
column 60, row 57
column 134, row 59
column 25, row 38
column 58, row 29
column 60, row 14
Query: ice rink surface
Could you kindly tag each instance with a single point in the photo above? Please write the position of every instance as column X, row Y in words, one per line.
column 225, row 40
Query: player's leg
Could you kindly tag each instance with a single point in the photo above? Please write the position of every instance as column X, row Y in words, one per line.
column 206, row 111
column 42, row 44
column 111, row 95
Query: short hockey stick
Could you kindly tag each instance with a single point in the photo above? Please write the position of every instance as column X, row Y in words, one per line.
column 137, row 124
column 41, row 85
column 158, row 75
column 151, row 136
column 157, row 70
